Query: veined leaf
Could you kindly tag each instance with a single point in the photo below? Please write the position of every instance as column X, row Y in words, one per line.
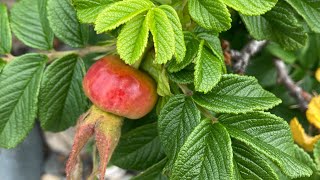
column 64, row 23
column 251, row 7
column 316, row 154
column 154, row 172
column 5, row 32
column 207, row 154
column 279, row 25
column 180, row 46
column 191, row 54
column 177, row 120
column 19, row 89
column 30, row 24
column 264, row 126
column 268, row 135
column 139, row 149
column 133, row 39
column 184, row 76
column 309, row 10
column 288, row 164
column 208, row 70
column 213, row 15
column 163, row 35
column 250, row 164
column 88, row 10
column 61, row 99
column 119, row 13
column 237, row 94
column 213, row 42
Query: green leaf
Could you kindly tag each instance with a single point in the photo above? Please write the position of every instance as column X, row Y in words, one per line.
column 279, row 25
column 158, row 73
column 177, row 120
column 213, row 15
column 19, row 89
column 5, row 32
column 119, row 13
column 207, row 154
column 61, row 99
column 180, row 46
column 237, row 94
column 153, row 173
column 64, row 23
column 309, row 10
column 251, row 7
column 88, row 10
column 268, row 135
column 30, row 24
column 2, row 64
column 133, row 39
column 191, row 54
column 208, row 70
column 184, row 76
column 264, row 126
column 213, row 42
column 316, row 154
column 163, row 35
column 138, row 149
column 304, row 157
column 250, row 164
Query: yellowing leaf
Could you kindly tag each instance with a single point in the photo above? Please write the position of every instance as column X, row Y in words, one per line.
column 317, row 75
column 300, row 137
column 313, row 112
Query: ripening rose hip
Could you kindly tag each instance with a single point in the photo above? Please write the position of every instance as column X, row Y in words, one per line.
column 116, row 90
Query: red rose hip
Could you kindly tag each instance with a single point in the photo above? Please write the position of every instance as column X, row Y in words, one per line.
column 116, row 91
column 120, row 89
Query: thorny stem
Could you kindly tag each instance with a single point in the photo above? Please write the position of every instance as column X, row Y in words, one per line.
column 297, row 92
column 242, row 58
column 204, row 111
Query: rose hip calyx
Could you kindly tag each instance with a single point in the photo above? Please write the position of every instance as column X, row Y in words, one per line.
column 116, row 90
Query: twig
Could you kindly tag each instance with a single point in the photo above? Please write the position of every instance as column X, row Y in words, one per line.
column 297, row 92
column 56, row 54
column 242, row 58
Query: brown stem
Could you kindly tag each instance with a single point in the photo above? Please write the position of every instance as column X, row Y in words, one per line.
column 242, row 57
column 297, row 92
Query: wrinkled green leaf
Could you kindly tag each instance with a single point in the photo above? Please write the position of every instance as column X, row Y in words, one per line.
column 251, row 7
column 177, row 120
column 237, row 94
column 309, row 10
column 5, row 32
column 250, row 164
column 88, row 10
column 279, row 25
column 184, row 76
column 30, row 24
column 212, row 15
column 163, row 35
column 207, row 154
column 133, row 39
column 180, row 46
column 19, row 89
column 208, row 70
column 268, row 135
column 138, row 149
column 61, row 99
column 119, row 13
column 154, row 172
column 64, row 23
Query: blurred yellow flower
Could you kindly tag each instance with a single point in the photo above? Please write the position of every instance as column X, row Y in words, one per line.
column 300, row 137
column 313, row 112
column 317, row 75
